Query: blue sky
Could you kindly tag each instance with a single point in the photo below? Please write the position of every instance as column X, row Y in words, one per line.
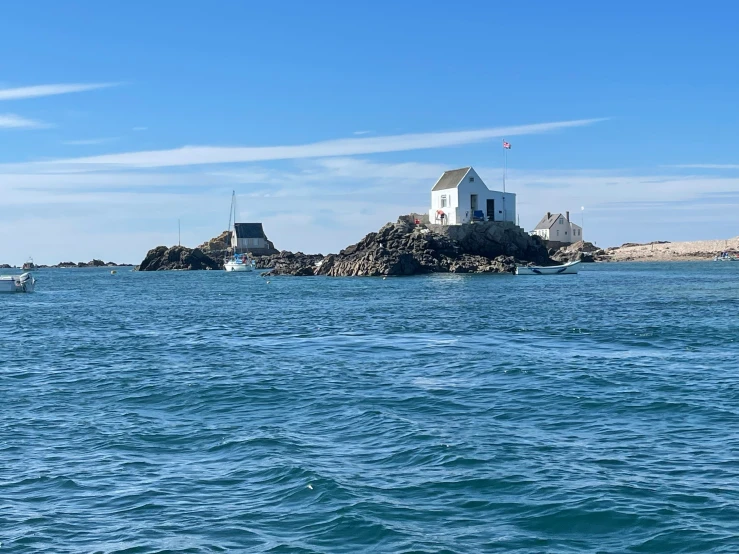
column 331, row 118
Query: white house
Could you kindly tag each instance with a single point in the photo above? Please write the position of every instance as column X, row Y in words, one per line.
column 250, row 237
column 459, row 193
column 558, row 228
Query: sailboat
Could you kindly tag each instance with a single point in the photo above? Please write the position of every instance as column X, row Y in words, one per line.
column 237, row 261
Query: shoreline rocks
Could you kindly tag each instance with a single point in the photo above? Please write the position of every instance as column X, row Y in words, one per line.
column 585, row 252
column 663, row 251
column 68, row 265
column 162, row 258
column 406, row 248
column 92, row 263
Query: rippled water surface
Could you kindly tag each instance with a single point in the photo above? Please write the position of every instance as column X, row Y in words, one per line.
column 214, row 412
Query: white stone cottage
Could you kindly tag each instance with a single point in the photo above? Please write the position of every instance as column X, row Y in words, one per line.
column 558, row 228
column 459, row 193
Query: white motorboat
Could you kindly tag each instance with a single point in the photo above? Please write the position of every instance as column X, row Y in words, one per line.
column 236, row 261
column 725, row 257
column 566, row 269
column 17, row 283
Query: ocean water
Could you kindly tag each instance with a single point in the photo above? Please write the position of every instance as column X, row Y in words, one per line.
column 214, row 412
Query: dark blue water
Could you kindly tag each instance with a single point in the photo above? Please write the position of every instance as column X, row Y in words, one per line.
column 214, row 412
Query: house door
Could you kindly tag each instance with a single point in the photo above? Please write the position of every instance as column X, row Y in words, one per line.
column 491, row 209
column 473, row 203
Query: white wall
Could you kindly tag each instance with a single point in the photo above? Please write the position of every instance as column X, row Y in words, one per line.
column 452, row 202
column 576, row 232
column 505, row 204
column 459, row 199
column 251, row 243
column 543, row 233
column 564, row 231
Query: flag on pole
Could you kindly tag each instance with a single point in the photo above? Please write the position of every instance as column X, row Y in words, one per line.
column 506, row 145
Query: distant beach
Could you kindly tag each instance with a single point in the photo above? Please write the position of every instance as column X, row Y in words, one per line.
column 671, row 251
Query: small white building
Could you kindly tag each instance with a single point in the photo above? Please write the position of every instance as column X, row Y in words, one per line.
column 250, row 237
column 558, row 228
column 459, row 193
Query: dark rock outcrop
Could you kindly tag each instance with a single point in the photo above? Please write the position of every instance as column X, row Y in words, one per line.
column 6, row 266
column 92, row 263
column 177, row 257
column 289, row 263
column 404, row 248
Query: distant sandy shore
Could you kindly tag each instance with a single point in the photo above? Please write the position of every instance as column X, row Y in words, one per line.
column 672, row 251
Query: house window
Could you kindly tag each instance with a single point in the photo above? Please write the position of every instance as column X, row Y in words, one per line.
column 561, row 220
column 472, row 179
column 443, row 200
column 557, row 232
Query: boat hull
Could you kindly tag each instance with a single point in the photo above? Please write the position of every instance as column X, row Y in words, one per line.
column 234, row 266
column 17, row 283
column 566, row 269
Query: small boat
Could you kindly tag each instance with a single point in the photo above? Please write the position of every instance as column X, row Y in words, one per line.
column 239, row 262
column 566, row 269
column 17, row 283
column 725, row 257
column 29, row 265
column 236, row 261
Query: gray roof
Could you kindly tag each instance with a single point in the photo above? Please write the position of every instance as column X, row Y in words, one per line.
column 451, row 179
column 249, row 230
column 547, row 222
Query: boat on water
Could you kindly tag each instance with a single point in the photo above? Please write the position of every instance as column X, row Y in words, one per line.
column 236, row 261
column 17, row 283
column 565, row 269
column 725, row 257
column 29, row 265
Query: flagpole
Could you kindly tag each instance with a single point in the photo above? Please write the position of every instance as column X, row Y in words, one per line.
column 505, row 166
column 505, row 171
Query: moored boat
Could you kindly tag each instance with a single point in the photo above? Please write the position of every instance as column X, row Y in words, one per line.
column 17, row 283
column 236, row 261
column 725, row 257
column 565, row 269
column 239, row 262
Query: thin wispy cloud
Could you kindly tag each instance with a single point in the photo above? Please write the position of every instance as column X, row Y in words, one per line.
column 358, row 194
column 362, row 132
column 38, row 91
column 85, row 142
column 705, row 166
column 12, row 121
column 139, row 129
column 200, row 155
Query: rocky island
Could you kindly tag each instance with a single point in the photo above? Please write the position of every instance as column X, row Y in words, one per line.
column 406, row 247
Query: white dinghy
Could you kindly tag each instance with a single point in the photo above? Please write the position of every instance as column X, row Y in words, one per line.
column 566, row 269
column 17, row 283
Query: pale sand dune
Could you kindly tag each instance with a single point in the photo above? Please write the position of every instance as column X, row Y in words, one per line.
column 674, row 251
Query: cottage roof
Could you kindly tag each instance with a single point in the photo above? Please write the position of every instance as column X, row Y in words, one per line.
column 249, row 230
column 548, row 220
column 450, row 179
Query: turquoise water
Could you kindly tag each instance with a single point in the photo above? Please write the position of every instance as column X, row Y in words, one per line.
column 214, row 412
